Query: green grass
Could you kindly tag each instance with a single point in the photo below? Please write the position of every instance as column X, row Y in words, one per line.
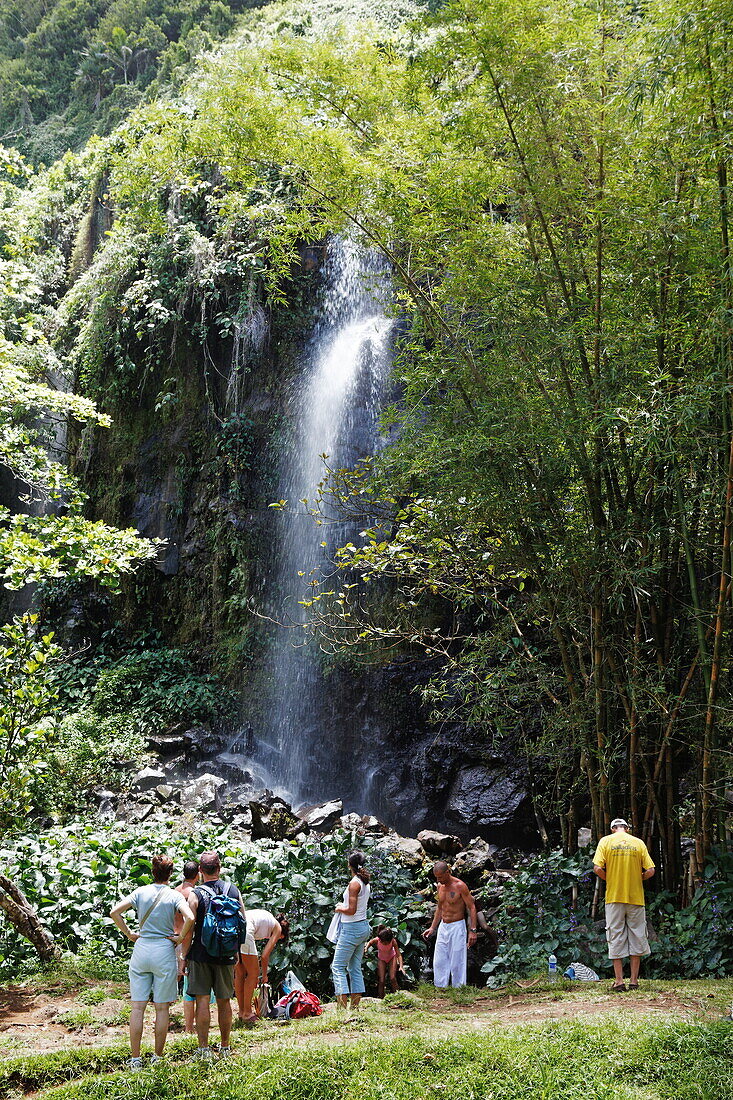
column 565, row 1061
column 93, row 996
column 76, row 1018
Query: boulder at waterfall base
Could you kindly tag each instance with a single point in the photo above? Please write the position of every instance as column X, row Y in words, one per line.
column 322, row 818
column 439, row 845
column 203, row 793
column 273, row 818
column 471, row 863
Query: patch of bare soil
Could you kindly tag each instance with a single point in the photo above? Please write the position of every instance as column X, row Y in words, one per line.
column 523, row 1008
column 34, row 1022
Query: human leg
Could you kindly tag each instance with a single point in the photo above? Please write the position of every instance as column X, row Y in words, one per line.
column 165, row 989
column 246, row 974
column 356, row 976
column 224, row 1015
column 140, row 971
column 458, row 952
column 393, row 974
column 203, row 1019
column 341, row 957
column 162, row 1023
column 617, row 936
column 635, row 961
column 441, row 958
column 381, row 976
column 137, row 1018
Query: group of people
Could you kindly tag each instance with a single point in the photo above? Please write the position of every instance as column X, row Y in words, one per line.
column 169, row 941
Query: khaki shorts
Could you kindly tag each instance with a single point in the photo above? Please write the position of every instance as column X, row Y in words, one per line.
column 626, row 930
column 205, row 977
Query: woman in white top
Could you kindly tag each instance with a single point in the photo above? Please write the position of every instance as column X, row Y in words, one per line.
column 153, row 967
column 261, row 925
column 353, row 934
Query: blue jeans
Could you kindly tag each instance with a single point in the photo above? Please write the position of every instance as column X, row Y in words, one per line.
column 346, row 965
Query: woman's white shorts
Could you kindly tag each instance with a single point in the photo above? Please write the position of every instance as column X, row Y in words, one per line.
column 153, row 969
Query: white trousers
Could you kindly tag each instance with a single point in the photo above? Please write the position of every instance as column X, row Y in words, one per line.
column 451, row 950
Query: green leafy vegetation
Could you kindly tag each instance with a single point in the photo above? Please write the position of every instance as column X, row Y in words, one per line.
column 71, row 69
column 73, row 874
column 549, row 188
column 548, row 908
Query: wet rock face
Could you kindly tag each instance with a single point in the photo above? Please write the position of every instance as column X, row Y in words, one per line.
column 377, row 750
column 488, row 797
column 390, row 761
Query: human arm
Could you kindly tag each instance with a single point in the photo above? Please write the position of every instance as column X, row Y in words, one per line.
column 185, row 942
column 436, row 920
column 350, row 909
column 371, row 943
column 599, row 861
column 116, row 915
column 647, row 864
column 188, row 918
column 471, row 907
column 268, row 948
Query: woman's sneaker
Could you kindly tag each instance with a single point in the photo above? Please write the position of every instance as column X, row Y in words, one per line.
column 155, row 1059
column 203, row 1054
column 134, row 1064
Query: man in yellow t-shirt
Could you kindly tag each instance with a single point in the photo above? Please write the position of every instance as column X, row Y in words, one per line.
column 623, row 862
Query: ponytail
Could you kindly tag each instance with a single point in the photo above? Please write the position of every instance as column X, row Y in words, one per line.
column 357, row 861
column 282, row 920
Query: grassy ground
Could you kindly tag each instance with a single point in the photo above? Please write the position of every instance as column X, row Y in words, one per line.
column 668, row 1042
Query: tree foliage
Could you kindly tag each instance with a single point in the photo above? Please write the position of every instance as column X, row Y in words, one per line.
column 550, row 185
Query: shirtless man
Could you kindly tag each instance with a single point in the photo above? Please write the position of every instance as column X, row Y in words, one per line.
column 451, row 946
column 190, row 881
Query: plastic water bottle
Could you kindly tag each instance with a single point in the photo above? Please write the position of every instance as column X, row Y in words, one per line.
column 570, row 973
column 552, row 969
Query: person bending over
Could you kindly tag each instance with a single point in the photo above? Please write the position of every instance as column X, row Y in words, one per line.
column 261, row 925
column 389, row 958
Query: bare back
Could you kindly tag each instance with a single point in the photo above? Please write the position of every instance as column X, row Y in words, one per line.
column 185, row 888
column 453, row 899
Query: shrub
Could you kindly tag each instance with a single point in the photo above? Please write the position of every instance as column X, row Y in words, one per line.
column 74, row 874
column 536, row 919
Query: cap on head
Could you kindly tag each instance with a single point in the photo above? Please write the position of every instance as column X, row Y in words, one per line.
column 209, row 862
column 619, row 823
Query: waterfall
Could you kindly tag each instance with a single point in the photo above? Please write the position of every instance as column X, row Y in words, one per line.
column 335, row 408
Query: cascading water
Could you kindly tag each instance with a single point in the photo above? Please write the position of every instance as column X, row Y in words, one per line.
column 335, row 412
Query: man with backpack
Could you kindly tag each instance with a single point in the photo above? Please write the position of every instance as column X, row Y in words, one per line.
column 219, row 929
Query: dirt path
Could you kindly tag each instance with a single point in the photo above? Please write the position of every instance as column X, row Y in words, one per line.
column 37, row 1021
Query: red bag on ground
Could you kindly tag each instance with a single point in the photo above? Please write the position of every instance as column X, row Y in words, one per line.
column 300, row 1004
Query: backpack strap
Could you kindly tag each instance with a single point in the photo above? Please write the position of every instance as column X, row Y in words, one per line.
column 141, row 923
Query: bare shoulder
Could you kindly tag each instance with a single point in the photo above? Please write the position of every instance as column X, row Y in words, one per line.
column 462, row 887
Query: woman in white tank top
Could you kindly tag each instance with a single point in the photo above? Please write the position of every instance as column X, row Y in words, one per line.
column 353, row 935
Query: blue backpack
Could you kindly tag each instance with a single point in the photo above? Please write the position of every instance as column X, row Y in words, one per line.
column 223, row 928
